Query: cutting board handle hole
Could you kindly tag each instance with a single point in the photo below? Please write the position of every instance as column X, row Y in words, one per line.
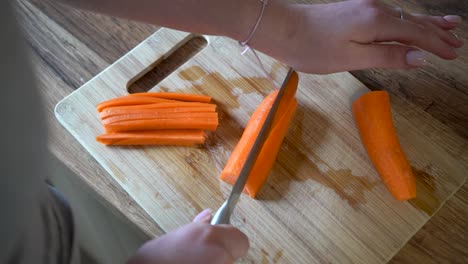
column 163, row 68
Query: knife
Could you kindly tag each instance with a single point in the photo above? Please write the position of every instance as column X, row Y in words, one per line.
column 223, row 215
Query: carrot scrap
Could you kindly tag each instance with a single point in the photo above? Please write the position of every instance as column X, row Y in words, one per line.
column 156, row 137
column 374, row 121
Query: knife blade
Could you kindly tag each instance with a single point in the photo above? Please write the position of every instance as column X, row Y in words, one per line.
column 223, row 215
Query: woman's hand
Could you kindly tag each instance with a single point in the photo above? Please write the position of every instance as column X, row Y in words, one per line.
column 198, row 242
column 350, row 35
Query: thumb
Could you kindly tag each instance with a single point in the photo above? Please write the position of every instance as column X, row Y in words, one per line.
column 203, row 217
column 389, row 56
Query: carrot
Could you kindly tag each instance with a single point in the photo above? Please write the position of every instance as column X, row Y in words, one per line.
column 288, row 96
column 270, row 149
column 176, row 108
column 155, row 137
column 374, row 121
column 176, row 96
column 154, row 124
column 266, row 157
column 121, row 101
column 156, row 115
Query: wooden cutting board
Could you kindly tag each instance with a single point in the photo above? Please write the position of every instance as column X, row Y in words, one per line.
column 323, row 201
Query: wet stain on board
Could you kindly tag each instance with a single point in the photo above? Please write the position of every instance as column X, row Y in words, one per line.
column 301, row 165
column 277, row 256
column 426, row 199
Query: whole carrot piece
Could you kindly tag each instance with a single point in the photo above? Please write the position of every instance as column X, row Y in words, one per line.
column 374, row 121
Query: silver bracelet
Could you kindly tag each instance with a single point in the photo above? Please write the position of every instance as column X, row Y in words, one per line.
column 260, row 16
column 246, row 41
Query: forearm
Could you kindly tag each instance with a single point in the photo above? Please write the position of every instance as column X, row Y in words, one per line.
column 232, row 18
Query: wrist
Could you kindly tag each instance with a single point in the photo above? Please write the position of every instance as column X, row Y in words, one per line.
column 278, row 24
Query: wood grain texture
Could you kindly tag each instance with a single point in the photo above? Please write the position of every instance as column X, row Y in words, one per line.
column 93, row 32
column 323, row 196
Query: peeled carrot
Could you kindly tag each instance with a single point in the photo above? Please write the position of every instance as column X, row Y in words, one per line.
column 157, row 115
column 155, row 124
column 374, row 122
column 266, row 158
column 270, row 149
column 157, row 119
column 176, row 108
column 176, row 96
column 121, row 101
column 288, row 96
column 156, row 137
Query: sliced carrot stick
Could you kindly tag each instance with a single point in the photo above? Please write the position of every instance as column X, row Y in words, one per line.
column 156, row 115
column 154, row 124
column 266, row 158
column 269, row 151
column 156, row 137
column 374, row 122
column 288, row 96
column 121, row 101
column 113, row 111
column 241, row 151
column 176, row 96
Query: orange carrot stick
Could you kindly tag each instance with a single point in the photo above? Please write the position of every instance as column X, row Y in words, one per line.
column 113, row 111
column 154, row 124
column 269, row 151
column 266, row 158
column 157, row 137
column 156, row 115
column 288, row 96
column 241, row 151
column 121, row 101
column 374, row 122
column 176, row 96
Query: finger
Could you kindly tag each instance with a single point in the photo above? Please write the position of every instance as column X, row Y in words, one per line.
column 431, row 23
column 203, row 217
column 445, row 35
column 234, row 241
column 409, row 33
column 387, row 56
column 447, row 22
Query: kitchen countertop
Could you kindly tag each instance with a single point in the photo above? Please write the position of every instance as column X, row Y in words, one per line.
column 69, row 47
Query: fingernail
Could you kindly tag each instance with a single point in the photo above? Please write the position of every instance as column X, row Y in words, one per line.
column 453, row 19
column 417, row 58
column 204, row 216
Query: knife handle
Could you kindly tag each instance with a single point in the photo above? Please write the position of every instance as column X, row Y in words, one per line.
column 222, row 216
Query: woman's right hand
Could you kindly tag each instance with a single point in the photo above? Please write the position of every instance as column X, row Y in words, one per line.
column 198, row 242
